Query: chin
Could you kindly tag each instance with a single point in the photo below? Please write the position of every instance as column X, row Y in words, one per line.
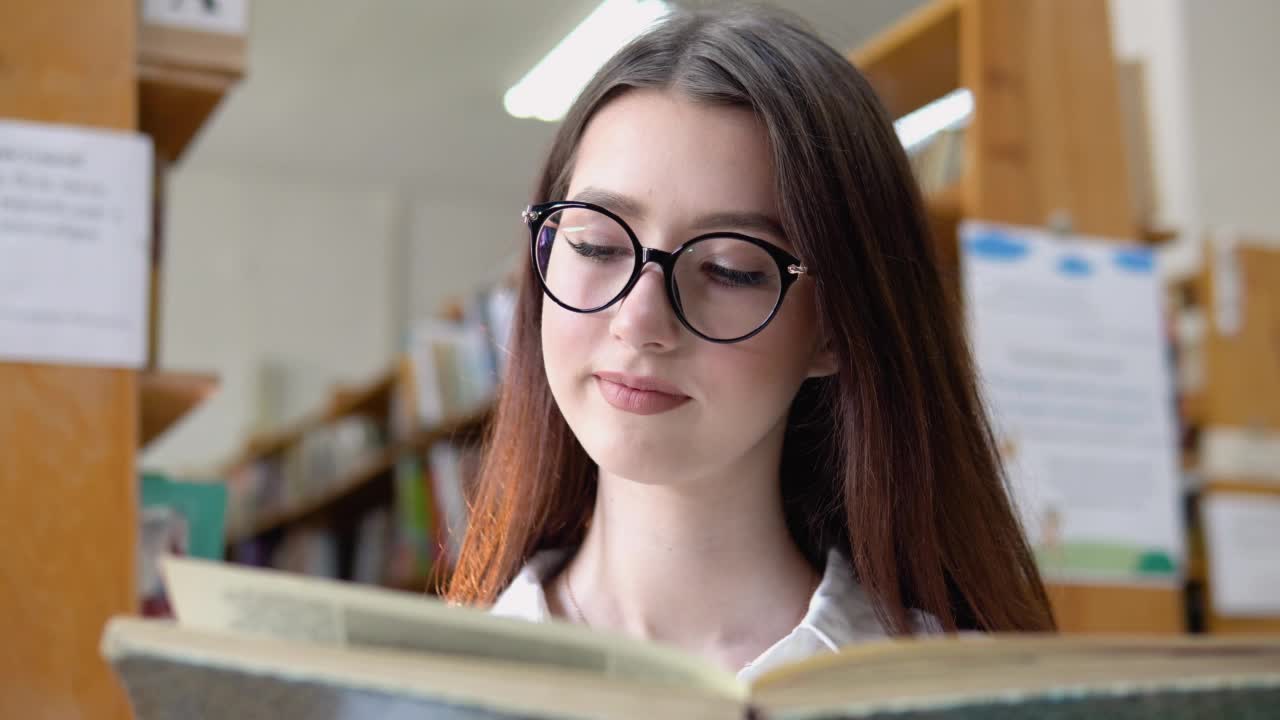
column 647, row 455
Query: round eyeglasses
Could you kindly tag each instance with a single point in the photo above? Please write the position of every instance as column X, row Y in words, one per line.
column 724, row 287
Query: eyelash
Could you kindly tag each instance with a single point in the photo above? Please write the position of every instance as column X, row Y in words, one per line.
column 733, row 278
column 594, row 252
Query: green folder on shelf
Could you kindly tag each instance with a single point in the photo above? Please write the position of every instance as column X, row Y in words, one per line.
column 176, row 517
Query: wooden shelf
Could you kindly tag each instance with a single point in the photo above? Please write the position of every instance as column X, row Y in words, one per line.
column 174, row 104
column 182, row 77
column 167, row 397
column 460, row 429
column 369, row 399
column 916, row 61
column 378, row 465
column 1256, row 487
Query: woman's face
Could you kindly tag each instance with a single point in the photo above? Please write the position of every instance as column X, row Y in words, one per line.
column 667, row 165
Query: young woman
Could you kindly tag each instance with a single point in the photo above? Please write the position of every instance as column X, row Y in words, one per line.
column 740, row 416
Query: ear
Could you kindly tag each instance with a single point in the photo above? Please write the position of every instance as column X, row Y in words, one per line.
column 823, row 361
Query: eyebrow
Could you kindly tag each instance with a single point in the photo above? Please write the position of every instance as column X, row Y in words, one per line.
column 626, row 205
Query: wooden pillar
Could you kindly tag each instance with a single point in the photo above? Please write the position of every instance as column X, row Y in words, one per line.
column 68, row 435
column 1047, row 135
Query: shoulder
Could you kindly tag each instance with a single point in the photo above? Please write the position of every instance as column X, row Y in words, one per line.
column 524, row 598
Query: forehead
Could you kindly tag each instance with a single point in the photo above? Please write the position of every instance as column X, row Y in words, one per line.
column 677, row 156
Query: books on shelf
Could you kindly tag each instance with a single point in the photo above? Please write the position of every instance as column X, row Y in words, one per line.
column 249, row 643
column 372, row 547
column 307, row 551
column 453, row 372
column 939, row 161
column 450, row 496
column 499, row 307
column 286, row 480
column 414, row 539
column 431, row 511
column 455, row 365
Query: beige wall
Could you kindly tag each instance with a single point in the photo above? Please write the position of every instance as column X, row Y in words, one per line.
column 262, row 273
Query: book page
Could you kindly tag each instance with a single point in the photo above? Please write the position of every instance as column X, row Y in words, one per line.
column 978, row 670
column 174, row 672
column 220, row 598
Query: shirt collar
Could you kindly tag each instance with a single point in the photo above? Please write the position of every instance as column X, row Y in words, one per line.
column 839, row 612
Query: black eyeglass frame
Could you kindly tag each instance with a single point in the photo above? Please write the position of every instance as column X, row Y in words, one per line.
column 789, row 266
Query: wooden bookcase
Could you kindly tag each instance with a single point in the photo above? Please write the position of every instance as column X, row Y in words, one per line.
column 1046, row 142
column 69, row 435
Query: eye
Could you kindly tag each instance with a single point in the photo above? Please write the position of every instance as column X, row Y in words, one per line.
column 730, row 277
column 599, row 253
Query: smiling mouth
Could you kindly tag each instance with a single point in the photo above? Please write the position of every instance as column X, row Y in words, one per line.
column 636, row 401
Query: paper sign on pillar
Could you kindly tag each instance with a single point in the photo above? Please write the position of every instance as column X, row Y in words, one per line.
column 1068, row 336
column 75, row 221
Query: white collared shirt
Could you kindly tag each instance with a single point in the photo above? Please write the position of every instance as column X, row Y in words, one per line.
column 839, row 613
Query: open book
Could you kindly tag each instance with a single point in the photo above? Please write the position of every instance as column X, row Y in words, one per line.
column 253, row 643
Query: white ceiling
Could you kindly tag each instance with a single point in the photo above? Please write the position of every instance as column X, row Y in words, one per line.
column 408, row 93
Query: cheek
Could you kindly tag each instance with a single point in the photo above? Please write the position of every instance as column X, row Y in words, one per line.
column 760, row 376
column 567, row 341
column 784, row 349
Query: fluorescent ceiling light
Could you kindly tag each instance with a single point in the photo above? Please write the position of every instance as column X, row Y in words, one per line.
column 949, row 111
column 548, row 90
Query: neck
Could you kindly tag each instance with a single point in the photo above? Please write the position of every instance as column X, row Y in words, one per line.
column 703, row 562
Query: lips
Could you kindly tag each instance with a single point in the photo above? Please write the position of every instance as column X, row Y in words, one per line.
column 641, row 382
column 639, row 395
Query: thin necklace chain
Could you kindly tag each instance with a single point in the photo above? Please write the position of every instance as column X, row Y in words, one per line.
column 582, row 618
column 568, row 585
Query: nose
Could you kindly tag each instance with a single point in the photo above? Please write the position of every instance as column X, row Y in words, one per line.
column 644, row 318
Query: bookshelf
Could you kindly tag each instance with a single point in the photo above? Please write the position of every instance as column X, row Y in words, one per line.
column 381, row 470
column 336, row 502
column 1046, row 140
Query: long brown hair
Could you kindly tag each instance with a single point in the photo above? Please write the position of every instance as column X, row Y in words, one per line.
column 891, row 459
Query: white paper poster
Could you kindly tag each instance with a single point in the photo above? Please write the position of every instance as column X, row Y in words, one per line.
column 75, row 220
column 1068, row 337
column 1242, row 540
column 221, row 16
